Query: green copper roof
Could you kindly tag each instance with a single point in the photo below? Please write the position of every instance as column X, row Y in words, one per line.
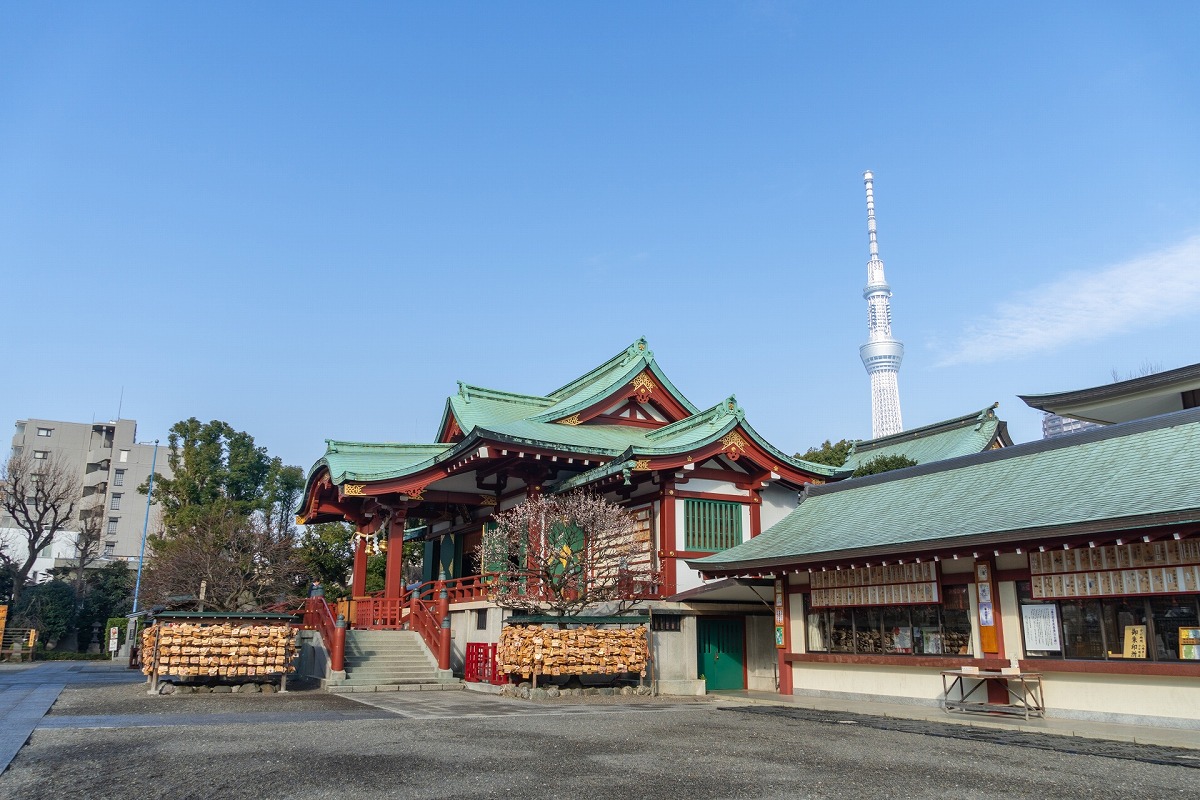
column 600, row 383
column 363, row 461
column 961, row 436
column 474, row 406
column 1133, row 471
column 529, row 420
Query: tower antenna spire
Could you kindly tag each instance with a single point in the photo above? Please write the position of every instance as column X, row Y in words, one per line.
column 882, row 353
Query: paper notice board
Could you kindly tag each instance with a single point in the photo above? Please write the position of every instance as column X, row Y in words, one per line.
column 1041, row 627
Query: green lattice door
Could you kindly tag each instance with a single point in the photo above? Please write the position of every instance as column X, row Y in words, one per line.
column 721, row 652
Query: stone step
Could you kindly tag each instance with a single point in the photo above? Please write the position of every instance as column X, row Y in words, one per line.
column 344, row 688
column 390, row 677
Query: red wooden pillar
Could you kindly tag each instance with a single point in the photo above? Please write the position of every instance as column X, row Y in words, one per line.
column 755, row 513
column 393, row 576
column 785, row 666
column 358, row 581
column 666, row 539
column 443, row 615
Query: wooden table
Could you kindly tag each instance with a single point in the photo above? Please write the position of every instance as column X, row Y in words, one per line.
column 1024, row 691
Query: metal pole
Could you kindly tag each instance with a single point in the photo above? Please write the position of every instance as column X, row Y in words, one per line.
column 137, row 589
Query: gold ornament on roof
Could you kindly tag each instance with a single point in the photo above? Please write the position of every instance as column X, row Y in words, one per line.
column 642, row 465
column 353, row 489
column 416, row 494
column 571, row 420
column 487, row 500
column 733, row 445
column 644, row 386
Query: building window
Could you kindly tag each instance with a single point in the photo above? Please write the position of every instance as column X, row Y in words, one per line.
column 41, row 455
column 115, row 504
column 927, row 629
column 124, row 456
column 711, row 525
column 47, row 432
column 110, row 548
column 667, row 622
column 119, row 478
column 481, row 619
column 112, row 526
column 1140, row 628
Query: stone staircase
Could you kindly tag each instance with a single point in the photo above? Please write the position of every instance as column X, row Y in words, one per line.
column 380, row 661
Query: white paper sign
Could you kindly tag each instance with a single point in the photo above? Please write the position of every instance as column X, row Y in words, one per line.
column 1041, row 627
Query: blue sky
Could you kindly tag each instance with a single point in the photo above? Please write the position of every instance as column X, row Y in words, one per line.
column 310, row 220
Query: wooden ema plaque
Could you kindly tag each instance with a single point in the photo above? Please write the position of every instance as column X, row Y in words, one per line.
column 1169, row 567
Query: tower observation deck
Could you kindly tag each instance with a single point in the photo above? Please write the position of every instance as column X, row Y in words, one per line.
column 882, row 353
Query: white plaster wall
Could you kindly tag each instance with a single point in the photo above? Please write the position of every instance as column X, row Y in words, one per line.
column 674, row 652
column 1171, row 702
column 796, row 623
column 1128, row 699
column 777, row 502
column 712, row 487
column 1010, row 619
column 922, row 686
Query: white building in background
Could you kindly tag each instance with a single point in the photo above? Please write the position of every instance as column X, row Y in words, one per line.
column 1054, row 425
column 111, row 464
column 882, row 353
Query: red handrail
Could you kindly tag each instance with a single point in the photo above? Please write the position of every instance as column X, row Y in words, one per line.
column 425, row 622
column 318, row 615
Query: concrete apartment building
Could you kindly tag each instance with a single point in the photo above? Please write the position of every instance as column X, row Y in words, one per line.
column 111, row 464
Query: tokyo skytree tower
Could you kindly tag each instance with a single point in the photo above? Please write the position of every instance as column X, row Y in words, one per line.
column 882, row 353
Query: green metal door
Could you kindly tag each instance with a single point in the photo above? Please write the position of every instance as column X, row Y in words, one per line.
column 721, row 652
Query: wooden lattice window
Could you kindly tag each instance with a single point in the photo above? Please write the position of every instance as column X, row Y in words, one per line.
column 712, row 525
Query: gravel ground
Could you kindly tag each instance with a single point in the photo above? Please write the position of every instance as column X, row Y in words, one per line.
column 133, row 699
column 692, row 751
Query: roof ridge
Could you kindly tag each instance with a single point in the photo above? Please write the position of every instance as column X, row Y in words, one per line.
column 1140, row 383
column 727, row 407
column 934, row 427
column 332, row 445
column 639, row 349
column 1118, row 431
column 466, row 391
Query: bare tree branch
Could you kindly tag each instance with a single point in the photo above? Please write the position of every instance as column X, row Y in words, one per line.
column 566, row 553
column 243, row 563
column 40, row 494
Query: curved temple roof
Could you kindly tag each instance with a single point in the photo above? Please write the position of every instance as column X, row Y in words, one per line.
column 1136, row 474
column 960, row 436
column 551, row 422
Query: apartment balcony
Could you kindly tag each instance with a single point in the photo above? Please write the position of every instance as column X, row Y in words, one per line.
column 100, row 488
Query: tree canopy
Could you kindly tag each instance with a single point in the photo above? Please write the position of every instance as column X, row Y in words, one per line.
column 227, row 522
column 883, row 463
column 833, row 454
column 214, row 465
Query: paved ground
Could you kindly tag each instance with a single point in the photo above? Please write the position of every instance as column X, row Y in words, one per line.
column 106, row 738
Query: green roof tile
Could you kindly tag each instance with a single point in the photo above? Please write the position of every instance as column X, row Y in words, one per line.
column 1133, row 470
column 366, row 461
column 961, row 436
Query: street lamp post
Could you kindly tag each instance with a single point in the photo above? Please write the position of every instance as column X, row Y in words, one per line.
column 137, row 589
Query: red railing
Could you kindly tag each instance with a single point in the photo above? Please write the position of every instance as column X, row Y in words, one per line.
column 374, row 611
column 380, row 613
column 479, row 665
column 317, row 615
